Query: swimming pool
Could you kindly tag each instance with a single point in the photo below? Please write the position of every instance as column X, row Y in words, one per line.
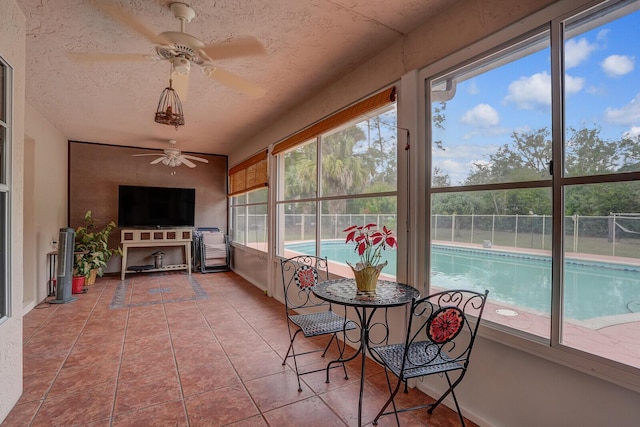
column 592, row 289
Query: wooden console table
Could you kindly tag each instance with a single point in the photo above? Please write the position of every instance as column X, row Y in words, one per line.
column 141, row 238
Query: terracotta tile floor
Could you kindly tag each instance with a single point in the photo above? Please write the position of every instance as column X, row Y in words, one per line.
column 176, row 350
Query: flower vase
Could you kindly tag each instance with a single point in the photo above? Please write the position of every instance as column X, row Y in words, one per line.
column 367, row 275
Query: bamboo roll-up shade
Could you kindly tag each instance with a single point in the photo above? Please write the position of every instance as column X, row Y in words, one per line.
column 249, row 175
column 335, row 120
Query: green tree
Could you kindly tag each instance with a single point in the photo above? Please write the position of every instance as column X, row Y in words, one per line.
column 602, row 199
column 300, row 176
column 588, row 154
column 358, row 159
column 341, row 170
column 630, row 153
column 438, row 117
column 525, row 158
column 380, row 148
column 440, row 179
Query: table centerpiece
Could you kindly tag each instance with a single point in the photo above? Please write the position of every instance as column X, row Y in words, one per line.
column 370, row 241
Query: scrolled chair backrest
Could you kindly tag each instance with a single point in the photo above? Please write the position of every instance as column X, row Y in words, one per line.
column 445, row 324
column 300, row 274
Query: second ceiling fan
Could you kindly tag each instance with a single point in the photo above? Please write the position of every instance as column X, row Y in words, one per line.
column 173, row 157
column 182, row 50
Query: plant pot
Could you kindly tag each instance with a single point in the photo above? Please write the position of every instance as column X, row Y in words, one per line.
column 367, row 276
column 93, row 274
column 77, row 284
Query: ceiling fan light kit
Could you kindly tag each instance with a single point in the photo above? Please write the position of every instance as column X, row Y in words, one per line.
column 181, row 65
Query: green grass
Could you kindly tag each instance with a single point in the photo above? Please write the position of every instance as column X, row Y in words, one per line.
column 627, row 247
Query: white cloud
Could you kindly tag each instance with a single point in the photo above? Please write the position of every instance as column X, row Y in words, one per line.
column 573, row 84
column 463, row 153
column 488, row 131
column 602, row 35
column 634, row 132
column 530, row 91
column 459, row 161
column 473, row 89
column 482, row 115
column 626, row 115
column 617, row 65
column 522, row 129
column 577, row 51
column 597, row 90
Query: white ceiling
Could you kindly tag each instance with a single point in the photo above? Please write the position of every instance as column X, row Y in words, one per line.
column 309, row 44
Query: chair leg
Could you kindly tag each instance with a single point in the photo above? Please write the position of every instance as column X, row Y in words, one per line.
column 455, row 399
column 328, row 344
column 295, row 361
column 284, row 361
column 341, row 349
column 453, row 394
column 389, row 401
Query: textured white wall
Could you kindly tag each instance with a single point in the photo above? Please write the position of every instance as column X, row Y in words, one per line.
column 50, row 189
column 12, row 49
column 252, row 266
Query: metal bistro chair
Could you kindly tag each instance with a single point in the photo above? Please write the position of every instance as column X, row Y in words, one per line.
column 441, row 331
column 299, row 275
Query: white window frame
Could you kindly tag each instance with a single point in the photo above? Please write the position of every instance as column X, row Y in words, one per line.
column 318, row 199
column 552, row 18
column 234, row 207
column 5, row 186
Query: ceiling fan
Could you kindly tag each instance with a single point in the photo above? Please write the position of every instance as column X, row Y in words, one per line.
column 182, row 50
column 173, row 157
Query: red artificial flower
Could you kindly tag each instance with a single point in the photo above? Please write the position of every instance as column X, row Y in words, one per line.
column 361, row 248
column 370, row 241
column 391, row 242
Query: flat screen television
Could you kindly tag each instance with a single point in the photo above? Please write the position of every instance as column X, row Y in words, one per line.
column 156, row 207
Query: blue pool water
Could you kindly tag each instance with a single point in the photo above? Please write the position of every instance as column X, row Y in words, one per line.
column 592, row 289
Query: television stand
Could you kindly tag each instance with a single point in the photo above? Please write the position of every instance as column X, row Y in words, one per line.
column 149, row 238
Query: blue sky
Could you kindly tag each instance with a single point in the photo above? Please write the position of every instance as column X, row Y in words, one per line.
column 602, row 87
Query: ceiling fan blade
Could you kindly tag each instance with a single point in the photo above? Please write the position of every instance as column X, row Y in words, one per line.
column 125, row 18
column 150, row 154
column 244, row 46
column 180, row 83
column 186, row 162
column 156, row 161
column 199, row 159
column 234, row 81
column 111, row 57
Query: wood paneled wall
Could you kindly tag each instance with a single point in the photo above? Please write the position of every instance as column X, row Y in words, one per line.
column 96, row 171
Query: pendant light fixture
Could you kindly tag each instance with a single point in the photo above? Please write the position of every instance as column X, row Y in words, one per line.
column 169, row 111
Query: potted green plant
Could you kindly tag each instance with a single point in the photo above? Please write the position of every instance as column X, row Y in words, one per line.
column 92, row 248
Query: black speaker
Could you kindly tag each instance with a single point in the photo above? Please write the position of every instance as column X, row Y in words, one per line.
column 66, row 243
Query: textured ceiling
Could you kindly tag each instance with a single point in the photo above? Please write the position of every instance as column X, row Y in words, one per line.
column 309, row 44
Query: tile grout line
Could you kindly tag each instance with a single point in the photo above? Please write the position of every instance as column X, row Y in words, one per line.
column 124, row 339
column 227, row 354
column 175, row 364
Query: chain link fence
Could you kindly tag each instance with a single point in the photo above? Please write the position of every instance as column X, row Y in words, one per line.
column 617, row 234
column 613, row 235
